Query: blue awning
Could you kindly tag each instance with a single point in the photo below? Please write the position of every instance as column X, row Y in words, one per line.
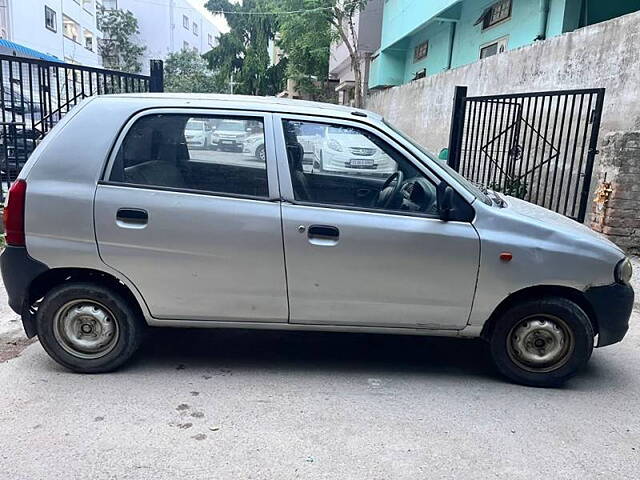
column 11, row 48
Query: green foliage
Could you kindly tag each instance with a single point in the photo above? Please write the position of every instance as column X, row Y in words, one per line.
column 513, row 187
column 305, row 39
column 306, row 42
column 187, row 71
column 118, row 48
column 243, row 52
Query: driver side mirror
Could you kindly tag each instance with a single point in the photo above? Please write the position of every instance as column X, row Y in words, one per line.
column 446, row 204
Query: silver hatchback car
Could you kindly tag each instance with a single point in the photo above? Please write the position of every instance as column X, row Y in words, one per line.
column 117, row 223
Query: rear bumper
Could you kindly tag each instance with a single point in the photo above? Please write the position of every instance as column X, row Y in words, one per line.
column 612, row 305
column 18, row 272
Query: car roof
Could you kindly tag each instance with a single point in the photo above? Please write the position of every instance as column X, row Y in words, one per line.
column 248, row 102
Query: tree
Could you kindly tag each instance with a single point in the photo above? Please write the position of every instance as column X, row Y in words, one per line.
column 187, row 71
column 118, row 49
column 342, row 18
column 305, row 40
column 242, row 54
column 308, row 33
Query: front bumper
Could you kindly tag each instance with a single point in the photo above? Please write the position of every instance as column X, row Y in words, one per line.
column 612, row 305
column 18, row 272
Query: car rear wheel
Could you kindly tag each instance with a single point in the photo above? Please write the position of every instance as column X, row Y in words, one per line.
column 88, row 328
column 542, row 343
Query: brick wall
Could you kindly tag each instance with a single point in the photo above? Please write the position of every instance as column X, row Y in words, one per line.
column 617, row 197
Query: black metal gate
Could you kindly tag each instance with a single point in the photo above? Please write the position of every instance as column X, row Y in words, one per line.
column 36, row 94
column 536, row 146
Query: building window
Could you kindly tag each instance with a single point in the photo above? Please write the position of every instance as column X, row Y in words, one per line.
column 210, row 40
column 495, row 13
column 88, row 40
column 71, row 29
column 50, row 19
column 185, row 22
column 194, row 27
column 109, row 4
column 420, row 74
column 185, row 45
column 420, row 51
column 88, row 5
column 493, row 48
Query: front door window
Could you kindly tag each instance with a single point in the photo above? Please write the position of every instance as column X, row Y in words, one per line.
column 334, row 164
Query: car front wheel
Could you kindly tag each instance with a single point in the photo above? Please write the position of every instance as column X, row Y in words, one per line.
column 260, row 153
column 88, row 328
column 542, row 343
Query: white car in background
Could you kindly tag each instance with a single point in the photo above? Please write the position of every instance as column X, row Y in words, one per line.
column 198, row 134
column 254, row 146
column 342, row 150
column 229, row 135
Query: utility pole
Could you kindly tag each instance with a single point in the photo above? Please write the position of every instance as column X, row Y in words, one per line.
column 232, row 83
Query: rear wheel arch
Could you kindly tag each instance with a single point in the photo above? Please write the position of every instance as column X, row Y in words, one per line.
column 537, row 293
column 52, row 278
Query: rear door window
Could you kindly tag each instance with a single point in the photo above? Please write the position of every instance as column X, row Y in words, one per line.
column 216, row 154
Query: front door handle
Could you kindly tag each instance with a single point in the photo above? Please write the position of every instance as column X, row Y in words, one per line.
column 324, row 235
column 132, row 217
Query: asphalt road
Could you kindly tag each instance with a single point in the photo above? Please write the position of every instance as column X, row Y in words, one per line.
column 241, row 404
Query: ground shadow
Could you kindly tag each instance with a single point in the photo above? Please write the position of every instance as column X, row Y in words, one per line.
column 314, row 351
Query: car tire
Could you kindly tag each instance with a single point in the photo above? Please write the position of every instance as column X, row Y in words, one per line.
column 260, row 153
column 542, row 343
column 88, row 328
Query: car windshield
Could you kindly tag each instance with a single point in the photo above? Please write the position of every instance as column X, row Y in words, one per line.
column 466, row 184
column 232, row 127
column 195, row 125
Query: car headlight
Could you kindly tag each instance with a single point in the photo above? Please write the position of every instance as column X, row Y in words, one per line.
column 624, row 271
column 334, row 145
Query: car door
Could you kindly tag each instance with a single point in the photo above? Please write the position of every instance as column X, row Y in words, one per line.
column 197, row 231
column 350, row 263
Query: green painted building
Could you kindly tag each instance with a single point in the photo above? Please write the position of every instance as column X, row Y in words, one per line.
column 425, row 37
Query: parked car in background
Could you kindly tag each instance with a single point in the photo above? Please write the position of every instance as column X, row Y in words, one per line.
column 16, row 144
column 341, row 149
column 254, row 147
column 198, row 134
column 417, row 250
column 230, row 135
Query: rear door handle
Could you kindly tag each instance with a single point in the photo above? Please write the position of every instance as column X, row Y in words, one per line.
column 323, row 235
column 132, row 217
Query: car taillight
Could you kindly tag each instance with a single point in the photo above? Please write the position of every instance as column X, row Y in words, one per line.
column 13, row 215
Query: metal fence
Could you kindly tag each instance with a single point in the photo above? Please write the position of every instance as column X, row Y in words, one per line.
column 537, row 146
column 36, row 94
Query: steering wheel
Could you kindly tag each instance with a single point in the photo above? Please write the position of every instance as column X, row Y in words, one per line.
column 389, row 192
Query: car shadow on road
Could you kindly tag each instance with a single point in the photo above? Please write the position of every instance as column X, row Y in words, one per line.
column 314, row 351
